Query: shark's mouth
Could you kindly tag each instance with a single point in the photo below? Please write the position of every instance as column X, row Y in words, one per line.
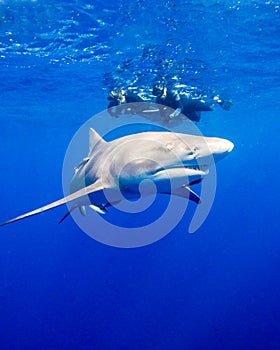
column 196, row 167
column 193, row 169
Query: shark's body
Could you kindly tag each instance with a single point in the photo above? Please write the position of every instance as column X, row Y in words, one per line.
column 125, row 163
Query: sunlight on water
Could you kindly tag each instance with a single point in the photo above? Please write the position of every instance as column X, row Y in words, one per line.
column 136, row 48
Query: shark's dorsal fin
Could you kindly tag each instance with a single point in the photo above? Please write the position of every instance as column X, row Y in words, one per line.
column 73, row 196
column 94, row 139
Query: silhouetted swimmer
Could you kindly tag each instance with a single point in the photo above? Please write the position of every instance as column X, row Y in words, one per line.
column 185, row 103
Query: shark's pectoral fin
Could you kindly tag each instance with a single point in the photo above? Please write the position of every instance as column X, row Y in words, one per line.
column 192, row 195
column 185, row 192
column 73, row 196
column 194, row 182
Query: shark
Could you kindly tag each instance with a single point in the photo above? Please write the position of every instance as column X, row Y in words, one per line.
column 118, row 169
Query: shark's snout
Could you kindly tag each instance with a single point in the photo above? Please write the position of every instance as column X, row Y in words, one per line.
column 227, row 146
column 230, row 145
column 221, row 146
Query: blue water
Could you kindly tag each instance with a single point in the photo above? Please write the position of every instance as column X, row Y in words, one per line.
column 216, row 289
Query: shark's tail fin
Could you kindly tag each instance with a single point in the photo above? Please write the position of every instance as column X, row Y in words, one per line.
column 78, row 194
column 36, row 211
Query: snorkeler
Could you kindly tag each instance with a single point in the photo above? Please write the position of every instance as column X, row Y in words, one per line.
column 185, row 103
column 119, row 97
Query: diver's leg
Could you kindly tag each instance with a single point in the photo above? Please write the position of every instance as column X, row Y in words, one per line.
column 194, row 116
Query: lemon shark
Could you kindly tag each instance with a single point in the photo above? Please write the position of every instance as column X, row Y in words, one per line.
column 118, row 169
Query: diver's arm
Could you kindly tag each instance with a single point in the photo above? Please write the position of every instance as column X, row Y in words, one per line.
column 178, row 105
column 175, row 113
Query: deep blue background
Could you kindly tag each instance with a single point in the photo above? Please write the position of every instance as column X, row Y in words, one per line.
column 217, row 289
